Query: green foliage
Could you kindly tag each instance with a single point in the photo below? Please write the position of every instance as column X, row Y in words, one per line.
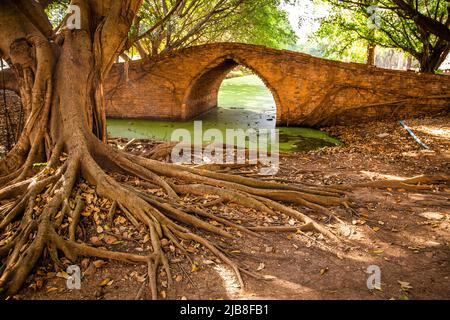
column 56, row 12
column 352, row 25
column 199, row 21
column 338, row 37
column 164, row 25
column 266, row 25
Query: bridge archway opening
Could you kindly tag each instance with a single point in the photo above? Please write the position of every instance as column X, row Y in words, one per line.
column 233, row 94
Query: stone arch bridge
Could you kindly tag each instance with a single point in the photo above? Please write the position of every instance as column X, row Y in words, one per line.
column 308, row 91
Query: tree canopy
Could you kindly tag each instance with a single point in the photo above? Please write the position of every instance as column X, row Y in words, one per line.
column 164, row 25
column 419, row 28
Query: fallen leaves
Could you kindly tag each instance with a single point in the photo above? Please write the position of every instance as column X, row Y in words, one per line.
column 146, row 238
column 194, row 267
column 268, row 249
column 95, row 240
column 110, row 239
column 164, row 242
column 261, row 266
column 120, row 220
column 323, row 271
column 140, row 278
column 99, row 263
column 415, row 249
column 52, row 289
column 191, row 249
column 432, row 215
column 37, row 284
column 62, row 275
column 404, row 286
column 86, row 213
column 106, row 282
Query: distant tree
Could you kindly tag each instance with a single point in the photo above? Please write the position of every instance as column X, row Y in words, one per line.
column 420, row 28
column 261, row 23
column 336, row 39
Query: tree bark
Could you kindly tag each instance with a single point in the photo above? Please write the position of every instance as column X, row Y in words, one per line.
column 433, row 57
column 435, row 27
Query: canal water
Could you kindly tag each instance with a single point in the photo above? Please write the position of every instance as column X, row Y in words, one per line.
column 244, row 102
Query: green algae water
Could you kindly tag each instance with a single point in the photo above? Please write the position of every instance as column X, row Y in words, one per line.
column 244, row 103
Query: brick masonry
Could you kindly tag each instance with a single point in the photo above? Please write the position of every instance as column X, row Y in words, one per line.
column 308, row 91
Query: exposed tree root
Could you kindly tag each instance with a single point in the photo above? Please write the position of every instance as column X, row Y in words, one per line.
column 423, row 182
column 32, row 231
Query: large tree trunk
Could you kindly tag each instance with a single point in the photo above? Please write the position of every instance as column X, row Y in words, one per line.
column 432, row 57
column 60, row 84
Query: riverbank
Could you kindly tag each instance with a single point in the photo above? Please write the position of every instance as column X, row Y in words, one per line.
column 405, row 233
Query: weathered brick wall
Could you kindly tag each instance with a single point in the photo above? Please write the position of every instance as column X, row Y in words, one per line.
column 307, row 90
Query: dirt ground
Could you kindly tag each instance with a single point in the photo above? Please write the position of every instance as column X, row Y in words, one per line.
column 405, row 233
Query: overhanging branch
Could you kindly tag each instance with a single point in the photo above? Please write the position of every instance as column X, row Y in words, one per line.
column 433, row 26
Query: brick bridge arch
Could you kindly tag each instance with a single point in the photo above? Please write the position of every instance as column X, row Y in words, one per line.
column 307, row 90
column 202, row 94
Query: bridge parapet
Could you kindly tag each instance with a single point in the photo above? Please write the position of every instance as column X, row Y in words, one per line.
column 308, row 91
